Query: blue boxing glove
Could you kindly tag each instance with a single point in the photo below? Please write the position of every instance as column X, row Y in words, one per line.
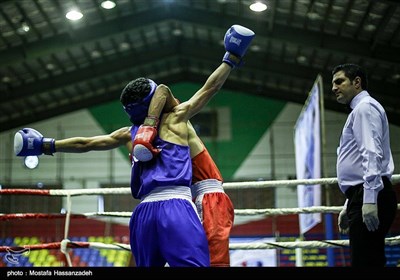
column 237, row 40
column 30, row 142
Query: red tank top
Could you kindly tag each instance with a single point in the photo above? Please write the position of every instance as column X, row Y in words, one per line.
column 204, row 168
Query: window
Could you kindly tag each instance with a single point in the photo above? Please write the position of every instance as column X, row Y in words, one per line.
column 213, row 124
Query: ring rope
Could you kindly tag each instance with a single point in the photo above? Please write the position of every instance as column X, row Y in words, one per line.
column 6, row 217
column 227, row 185
column 303, row 244
column 288, row 211
column 238, row 212
column 67, row 244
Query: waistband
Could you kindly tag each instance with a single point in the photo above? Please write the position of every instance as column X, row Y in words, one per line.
column 168, row 192
column 387, row 185
column 206, row 186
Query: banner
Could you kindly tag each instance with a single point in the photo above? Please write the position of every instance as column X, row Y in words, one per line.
column 253, row 258
column 307, row 143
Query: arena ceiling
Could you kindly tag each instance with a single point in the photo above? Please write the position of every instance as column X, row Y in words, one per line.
column 59, row 66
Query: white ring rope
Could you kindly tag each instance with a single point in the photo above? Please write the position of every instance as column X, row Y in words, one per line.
column 238, row 212
column 115, row 246
column 271, row 183
column 249, row 212
column 288, row 211
column 303, row 244
column 263, row 245
column 227, row 185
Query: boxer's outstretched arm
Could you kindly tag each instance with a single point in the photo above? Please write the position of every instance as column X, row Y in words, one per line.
column 236, row 41
column 110, row 141
column 29, row 142
column 212, row 85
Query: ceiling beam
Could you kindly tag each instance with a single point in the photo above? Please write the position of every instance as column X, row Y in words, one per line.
column 193, row 16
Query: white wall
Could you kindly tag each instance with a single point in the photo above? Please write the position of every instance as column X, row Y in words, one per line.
column 76, row 171
column 101, row 166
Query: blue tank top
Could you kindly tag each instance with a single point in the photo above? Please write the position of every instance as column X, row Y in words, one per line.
column 171, row 167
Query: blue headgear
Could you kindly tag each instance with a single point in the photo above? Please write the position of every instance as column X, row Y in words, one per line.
column 138, row 111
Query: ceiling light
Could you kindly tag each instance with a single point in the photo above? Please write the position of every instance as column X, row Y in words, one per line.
column 313, row 16
column 350, row 23
column 301, row 59
column 177, row 32
column 6, row 79
column 124, row 46
column 95, row 54
column 74, row 15
column 50, row 66
column 24, row 28
column 396, row 76
column 255, row 48
column 258, row 6
column 369, row 27
column 107, row 5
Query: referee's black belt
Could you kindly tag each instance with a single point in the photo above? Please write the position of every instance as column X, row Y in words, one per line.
column 387, row 185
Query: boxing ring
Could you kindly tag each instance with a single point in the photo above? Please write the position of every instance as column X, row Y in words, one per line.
column 65, row 245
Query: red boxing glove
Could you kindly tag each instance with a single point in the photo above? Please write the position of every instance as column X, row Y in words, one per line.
column 143, row 149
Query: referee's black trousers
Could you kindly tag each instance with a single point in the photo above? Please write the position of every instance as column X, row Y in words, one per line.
column 367, row 248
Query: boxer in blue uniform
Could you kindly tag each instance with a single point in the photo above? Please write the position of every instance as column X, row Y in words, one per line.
column 165, row 227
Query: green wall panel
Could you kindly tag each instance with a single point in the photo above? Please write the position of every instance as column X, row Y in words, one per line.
column 111, row 116
column 251, row 117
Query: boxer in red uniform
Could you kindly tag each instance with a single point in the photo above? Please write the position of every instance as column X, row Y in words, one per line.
column 213, row 204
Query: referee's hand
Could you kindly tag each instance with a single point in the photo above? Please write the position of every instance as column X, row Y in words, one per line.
column 370, row 216
column 343, row 221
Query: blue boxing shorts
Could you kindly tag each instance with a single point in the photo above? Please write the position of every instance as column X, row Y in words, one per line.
column 165, row 228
